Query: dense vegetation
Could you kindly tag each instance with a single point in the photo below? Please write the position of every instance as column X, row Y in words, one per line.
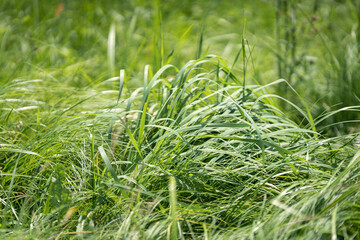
column 161, row 120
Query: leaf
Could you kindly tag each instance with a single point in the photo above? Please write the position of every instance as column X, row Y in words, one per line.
column 122, row 81
column 18, row 151
column 107, row 163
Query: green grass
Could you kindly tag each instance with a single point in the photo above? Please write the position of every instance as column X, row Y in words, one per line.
column 125, row 123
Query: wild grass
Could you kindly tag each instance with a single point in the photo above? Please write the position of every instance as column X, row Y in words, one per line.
column 238, row 164
column 109, row 131
column 326, row 51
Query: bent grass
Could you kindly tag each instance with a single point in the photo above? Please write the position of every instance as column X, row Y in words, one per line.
column 175, row 149
column 240, row 165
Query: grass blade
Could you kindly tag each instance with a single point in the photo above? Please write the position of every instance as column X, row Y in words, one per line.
column 173, row 213
column 107, row 163
column 111, row 48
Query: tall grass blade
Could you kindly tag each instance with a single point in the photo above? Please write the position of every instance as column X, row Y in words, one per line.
column 122, row 82
column 107, row 163
column 173, row 211
column 200, row 43
column 111, row 48
column 142, row 125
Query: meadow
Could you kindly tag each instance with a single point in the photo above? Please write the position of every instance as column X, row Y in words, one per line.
column 161, row 119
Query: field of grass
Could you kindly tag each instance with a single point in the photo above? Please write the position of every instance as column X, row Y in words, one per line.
column 168, row 120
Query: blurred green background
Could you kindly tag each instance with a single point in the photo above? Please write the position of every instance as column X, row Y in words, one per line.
column 314, row 45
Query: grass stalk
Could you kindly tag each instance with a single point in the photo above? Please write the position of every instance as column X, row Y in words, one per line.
column 173, row 209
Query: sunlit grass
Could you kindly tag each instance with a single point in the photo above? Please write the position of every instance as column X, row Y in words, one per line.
column 108, row 129
column 239, row 162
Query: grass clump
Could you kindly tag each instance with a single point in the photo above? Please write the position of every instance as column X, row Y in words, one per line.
column 240, row 165
column 168, row 148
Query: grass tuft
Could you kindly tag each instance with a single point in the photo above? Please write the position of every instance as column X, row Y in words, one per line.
column 173, row 148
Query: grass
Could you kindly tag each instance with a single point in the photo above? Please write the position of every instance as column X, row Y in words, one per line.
column 110, row 131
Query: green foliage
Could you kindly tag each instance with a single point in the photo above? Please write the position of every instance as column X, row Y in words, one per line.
column 109, row 131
